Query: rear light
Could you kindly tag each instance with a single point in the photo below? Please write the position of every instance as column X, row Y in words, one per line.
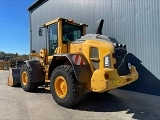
column 106, row 75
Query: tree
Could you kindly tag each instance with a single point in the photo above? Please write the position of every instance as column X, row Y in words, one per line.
column 16, row 55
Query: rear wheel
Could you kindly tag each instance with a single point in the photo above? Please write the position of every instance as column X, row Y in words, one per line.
column 26, row 80
column 65, row 89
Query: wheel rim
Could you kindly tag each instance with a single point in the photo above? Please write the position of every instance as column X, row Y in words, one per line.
column 60, row 86
column 24, row 78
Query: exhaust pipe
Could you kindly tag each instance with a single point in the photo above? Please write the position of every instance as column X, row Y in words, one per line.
column 100, row 26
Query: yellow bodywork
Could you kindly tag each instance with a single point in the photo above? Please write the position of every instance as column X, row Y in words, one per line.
column 98, row 82
column 101, row 46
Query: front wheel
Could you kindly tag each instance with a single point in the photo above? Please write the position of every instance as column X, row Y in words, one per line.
column 26, row 80
column 65, row 89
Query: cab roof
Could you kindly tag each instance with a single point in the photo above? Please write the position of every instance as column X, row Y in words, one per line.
column 56, row 20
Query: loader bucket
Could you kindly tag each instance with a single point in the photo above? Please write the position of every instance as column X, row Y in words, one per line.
column 14, row 77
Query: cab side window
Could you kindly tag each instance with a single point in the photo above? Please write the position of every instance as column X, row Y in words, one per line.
column 71, row 32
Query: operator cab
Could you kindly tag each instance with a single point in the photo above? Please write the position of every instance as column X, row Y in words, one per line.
column 61, row 32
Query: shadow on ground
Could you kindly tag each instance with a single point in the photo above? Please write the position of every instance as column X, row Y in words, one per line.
column 42, row 90
column 39, row 90
column 107, row 102
column 147, row 82
column 100, row 102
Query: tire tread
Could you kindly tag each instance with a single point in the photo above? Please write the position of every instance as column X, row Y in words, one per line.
column 77, row 91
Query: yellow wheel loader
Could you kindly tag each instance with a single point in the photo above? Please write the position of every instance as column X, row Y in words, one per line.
column 74, row 62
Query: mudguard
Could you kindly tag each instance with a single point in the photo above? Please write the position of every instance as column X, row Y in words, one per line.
column 79, row 64
column 36, row 70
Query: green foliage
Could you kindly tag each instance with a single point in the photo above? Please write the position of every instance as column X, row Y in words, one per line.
column 12, row 56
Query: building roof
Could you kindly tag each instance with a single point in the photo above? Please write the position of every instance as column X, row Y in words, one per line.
column 36, row 4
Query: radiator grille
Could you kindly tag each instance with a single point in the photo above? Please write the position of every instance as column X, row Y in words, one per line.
column 121, row 60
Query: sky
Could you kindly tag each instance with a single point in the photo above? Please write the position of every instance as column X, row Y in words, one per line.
column 14, row 26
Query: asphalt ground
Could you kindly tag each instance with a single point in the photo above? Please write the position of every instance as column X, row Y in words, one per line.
column 15, row 104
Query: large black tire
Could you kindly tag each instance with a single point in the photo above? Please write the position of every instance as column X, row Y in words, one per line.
column 75, row 90
column 26, row 80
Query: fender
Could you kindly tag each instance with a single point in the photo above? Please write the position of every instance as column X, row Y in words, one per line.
column 78, row 62
column 36, row 70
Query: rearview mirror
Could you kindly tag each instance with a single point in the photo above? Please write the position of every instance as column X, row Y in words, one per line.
column 40, row 32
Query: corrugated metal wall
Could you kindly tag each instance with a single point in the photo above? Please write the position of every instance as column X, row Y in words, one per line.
column 132, row 22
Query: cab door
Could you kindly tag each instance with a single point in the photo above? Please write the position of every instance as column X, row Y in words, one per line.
column 53, row 38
